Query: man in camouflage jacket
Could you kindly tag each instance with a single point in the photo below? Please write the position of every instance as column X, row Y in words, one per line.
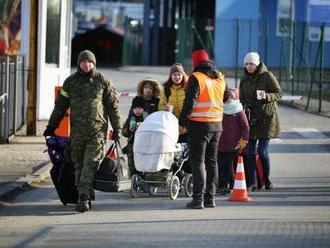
column 92, row 100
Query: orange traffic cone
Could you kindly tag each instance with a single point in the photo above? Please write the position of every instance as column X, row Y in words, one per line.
column 240, row 191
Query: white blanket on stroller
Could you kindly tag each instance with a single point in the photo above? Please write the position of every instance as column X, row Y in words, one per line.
column 155, row 142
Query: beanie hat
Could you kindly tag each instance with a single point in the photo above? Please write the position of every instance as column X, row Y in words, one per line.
column 233, row 93
column 86, row 55
column 177, row 67
column 253, row 58
column 138, row 102
column 199, row 56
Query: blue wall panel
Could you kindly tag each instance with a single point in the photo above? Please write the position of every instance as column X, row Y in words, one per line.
column 257, row 21
column 228, row 12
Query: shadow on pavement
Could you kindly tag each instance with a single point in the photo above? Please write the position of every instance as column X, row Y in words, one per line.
column 50, row 205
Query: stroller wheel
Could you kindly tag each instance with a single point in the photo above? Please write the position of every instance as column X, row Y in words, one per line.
column 187, row 184
column 135, row 186
column 152, row 190
column 173, row 187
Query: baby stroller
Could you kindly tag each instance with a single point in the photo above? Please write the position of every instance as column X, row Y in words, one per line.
column 159, row 158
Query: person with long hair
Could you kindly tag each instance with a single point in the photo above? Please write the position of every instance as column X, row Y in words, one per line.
column 173, row 93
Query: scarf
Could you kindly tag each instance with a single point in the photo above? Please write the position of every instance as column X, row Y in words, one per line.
column 232, row 107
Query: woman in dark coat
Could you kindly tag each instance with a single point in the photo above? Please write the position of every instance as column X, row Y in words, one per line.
column 259, row 93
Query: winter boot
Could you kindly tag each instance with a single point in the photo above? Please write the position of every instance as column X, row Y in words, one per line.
column 195, row 204
column 268, row 184
column 83, row 204
column 209, row 203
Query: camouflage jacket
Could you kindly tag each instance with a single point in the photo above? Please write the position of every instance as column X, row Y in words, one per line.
column 92, row 100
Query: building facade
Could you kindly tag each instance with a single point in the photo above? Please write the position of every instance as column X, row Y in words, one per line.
column 280, row 30
column 54, row 48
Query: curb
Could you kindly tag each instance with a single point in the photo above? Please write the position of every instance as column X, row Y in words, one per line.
column 11, row 190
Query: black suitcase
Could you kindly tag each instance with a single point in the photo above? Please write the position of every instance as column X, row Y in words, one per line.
column 112, row 173
column 62, row 172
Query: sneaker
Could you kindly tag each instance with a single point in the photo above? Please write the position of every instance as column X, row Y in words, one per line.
column 195, row 204
column 209, row 203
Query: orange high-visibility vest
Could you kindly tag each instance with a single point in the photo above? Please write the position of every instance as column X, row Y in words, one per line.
column 209, row 104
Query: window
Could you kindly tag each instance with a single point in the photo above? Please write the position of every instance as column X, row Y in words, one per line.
column 53, row 29
column 285, row 17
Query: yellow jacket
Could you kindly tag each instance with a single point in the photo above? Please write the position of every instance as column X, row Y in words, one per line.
column 175, row 99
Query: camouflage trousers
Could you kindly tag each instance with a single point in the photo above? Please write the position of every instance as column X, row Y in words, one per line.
column 86, row 155
column 130, row 160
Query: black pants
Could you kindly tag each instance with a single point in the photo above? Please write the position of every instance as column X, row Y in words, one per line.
column 226, row 170
column 203, row 161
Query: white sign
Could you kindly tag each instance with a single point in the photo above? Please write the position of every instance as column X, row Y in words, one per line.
column 318, row 13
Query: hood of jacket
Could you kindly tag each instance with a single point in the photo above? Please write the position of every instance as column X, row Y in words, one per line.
column 208, row 69
column 261, row 69
column 153, row 82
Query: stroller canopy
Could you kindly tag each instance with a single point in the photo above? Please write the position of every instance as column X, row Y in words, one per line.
column 158, row 133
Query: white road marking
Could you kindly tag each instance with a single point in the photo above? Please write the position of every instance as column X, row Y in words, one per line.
column 310, row 133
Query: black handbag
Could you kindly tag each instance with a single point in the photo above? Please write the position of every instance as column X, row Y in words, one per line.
column 112, row 172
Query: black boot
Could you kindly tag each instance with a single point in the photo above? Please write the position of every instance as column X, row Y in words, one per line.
column 252, row 187
column 92, row 195
column 268, row 185
column 82, row 205
column 223, row 191
column 195, row 204
column 209, row 203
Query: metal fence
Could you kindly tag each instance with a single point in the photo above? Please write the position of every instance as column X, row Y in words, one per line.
column 13, row 95
column 298, row 53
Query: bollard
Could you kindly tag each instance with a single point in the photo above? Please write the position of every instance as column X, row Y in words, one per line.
column 64, row 127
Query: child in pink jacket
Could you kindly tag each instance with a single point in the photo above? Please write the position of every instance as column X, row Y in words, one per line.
column 234, row 138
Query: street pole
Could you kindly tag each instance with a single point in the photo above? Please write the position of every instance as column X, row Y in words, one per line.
column 146, row 32
column 31, row 129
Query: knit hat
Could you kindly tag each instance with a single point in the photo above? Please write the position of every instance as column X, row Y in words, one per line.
column 138, row 102
column 86, row 55
column 253, row 58
column 199, row 56
column 177, row 67
column 233, row 93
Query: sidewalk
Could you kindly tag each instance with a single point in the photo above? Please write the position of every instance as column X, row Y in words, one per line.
column 313, row 106
column 22, row 162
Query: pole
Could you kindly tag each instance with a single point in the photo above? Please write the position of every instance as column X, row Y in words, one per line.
column 266, row 40
column 31, row 129
column 146, row 32
column 237, row 53
column 321, row 67
column 155, row 33
column 293, row 59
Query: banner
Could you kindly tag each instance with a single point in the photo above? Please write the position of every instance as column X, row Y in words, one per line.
column 10, row 27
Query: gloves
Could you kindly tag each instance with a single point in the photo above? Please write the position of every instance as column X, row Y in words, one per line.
column 49, row 131
column 116, row 135
column 182, row 130
column 241, row 145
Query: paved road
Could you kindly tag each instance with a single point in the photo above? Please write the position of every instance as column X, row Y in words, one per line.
column 295, row 214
